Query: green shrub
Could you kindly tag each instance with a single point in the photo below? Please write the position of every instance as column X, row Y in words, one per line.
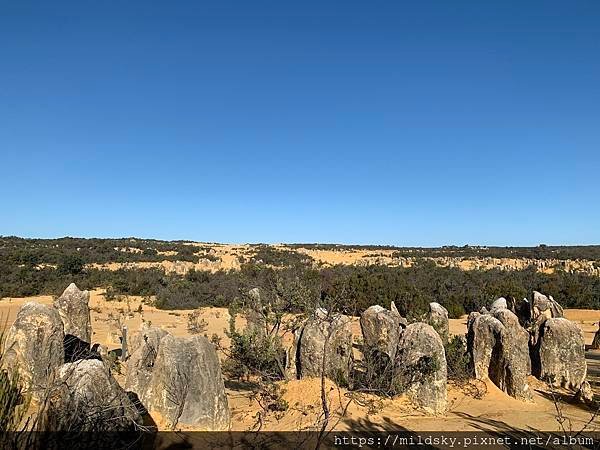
column 255, row 354
column 458, row 360
column 455, row 310
column 71, row 265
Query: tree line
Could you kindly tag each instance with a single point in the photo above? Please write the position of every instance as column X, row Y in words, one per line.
column 411, row 288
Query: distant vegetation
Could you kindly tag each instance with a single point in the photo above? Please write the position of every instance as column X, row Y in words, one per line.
column 55, row 251
column 290, row 273
column 589, row 252
column 272, row 256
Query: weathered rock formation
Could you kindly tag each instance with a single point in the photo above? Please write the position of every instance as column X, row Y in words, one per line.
column 421, row 370
column 500, row 351
column 585, row 394
column 186, row 386
column 559, row 356
column 381, row 330
column 394, row 309
column 545, row 306
column 325, row 336
column 140, row 364
column 74, row 310
column 87, row 398
column 499, row 304
column 471, row 317
column 255, row 319
column 34, row 345
column 515, row 349
column 73, row 307
column 438, row 319
column 542, row 308
column 483, row 332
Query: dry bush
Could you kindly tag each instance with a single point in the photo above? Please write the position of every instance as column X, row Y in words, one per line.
column 195, row 324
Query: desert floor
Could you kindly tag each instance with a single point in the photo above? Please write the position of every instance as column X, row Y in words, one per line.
column 493, row 411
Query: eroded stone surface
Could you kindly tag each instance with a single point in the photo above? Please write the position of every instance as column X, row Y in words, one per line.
column 381, row 330
column 421, row 367
column 73, row 307
column 186, row 386
column 560, row 353
column 499, row 349
column 34, row 345
column 88, row 398
column 329, row 335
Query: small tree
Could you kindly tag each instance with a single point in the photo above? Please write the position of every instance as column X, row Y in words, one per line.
column 196, row 324
column 71, row 265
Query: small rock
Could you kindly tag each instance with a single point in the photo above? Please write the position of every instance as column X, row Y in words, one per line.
column 438, row 319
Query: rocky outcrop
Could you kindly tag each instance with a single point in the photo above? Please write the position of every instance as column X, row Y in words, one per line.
column 545, row 306
column 438, row 319
column 470, row 318
column 511, row 376
column 483, row 333
column 585, row 394
column 73, row 307
column 499, row 351
column 499, row 303
column 89, row 399
column 186, row 386
column 34, row 345
column 255, row 318
column 421, row 370
column 394, row 309
column 328, row 336
column 381, row 330
column 140, row 364
column 559, row 356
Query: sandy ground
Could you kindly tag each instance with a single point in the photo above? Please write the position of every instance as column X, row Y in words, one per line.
column 494, row 411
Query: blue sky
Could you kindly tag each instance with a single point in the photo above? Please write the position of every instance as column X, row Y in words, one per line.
column 408, row 123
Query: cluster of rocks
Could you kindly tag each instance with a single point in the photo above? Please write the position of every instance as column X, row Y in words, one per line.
column 415, row 353
column 178, row 378
column 508, row 342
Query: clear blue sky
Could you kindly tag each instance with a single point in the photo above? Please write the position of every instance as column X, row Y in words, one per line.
column 389, row 122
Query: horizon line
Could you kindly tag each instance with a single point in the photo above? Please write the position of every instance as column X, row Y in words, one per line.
column 341, row 244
